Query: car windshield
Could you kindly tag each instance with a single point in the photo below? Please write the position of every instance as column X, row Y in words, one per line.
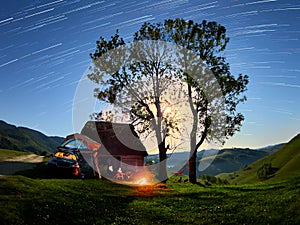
column 74, row 144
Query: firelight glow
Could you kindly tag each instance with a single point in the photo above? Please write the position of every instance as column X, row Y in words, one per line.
column 143, row 181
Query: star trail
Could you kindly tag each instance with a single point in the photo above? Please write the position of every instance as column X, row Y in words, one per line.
column 45, row 47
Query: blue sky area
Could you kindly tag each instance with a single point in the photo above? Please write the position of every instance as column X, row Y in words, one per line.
column 45, row 46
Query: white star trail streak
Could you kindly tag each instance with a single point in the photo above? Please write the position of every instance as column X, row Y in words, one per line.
column 45, row 47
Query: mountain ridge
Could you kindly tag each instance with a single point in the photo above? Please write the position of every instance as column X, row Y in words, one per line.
column 216, row 161
column 26, row 139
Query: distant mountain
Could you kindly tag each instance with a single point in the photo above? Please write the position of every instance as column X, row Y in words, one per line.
column 271, row 148
column 283, row 164
column 26, row 140
column 228, row 160
column 214, row 161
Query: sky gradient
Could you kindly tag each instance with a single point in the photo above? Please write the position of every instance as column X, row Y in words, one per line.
column 45, row 47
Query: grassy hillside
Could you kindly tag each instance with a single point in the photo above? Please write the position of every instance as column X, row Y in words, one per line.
column 284, row 164
column 26, row 140
column 91, row 201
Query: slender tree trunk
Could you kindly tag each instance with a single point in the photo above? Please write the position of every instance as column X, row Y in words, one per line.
column 162, row 170
column 162, row 173
column 193, row 139
column 193, row 155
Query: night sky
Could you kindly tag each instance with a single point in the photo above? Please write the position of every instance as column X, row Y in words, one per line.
column 45, row 47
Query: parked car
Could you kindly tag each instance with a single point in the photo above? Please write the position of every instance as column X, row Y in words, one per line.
column 65, row 162
column 69, row 158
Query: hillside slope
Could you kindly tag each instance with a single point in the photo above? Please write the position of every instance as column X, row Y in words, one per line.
column 285, row 164
column 25, row 139
column 214, row 161
column 229, row 160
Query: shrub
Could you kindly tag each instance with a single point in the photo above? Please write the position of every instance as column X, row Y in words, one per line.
column 265, row 171
column 209, row 180
column 246, row 167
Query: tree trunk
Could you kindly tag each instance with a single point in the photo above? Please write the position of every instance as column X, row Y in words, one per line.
column 194, row 147
column 193, row 141
column 192, row 168
column 193, row 156
column 162, row 173
column 162, row 170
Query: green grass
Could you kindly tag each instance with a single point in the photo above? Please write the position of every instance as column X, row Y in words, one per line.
column 25, row 200
column 6, row 153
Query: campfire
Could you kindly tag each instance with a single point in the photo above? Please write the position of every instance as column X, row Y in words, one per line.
column 142, row 177
column 143, row 181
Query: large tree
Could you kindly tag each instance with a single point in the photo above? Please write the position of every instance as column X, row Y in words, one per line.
column 136, row 80
column 212, row 92
column 212, row 120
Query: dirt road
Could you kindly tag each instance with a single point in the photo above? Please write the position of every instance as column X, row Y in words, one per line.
column 13, row 165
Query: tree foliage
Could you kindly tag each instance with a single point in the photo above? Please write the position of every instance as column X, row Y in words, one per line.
column 207, row 40
column 140, row 88
column 212, row 92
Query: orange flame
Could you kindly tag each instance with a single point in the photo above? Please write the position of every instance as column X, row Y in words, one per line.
column 143, row 177
column 143, row 181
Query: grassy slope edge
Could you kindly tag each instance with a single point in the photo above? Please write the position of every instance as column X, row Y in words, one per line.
column 286, row 161
column 7, row 154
